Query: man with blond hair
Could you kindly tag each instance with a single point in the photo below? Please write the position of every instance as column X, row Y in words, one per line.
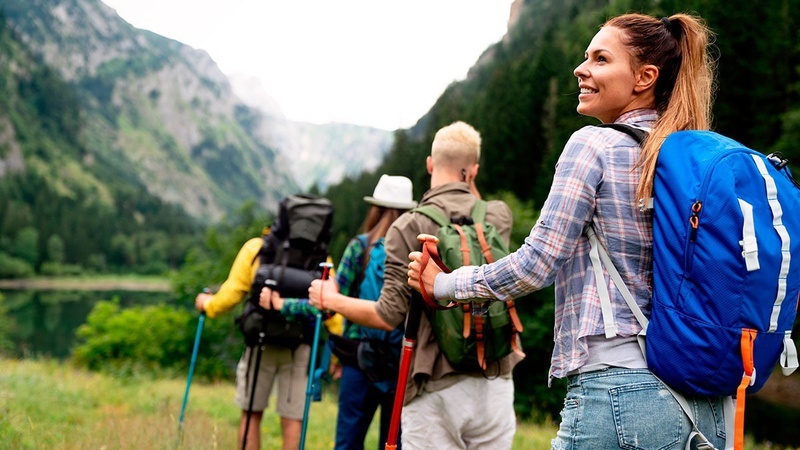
column 445, row 408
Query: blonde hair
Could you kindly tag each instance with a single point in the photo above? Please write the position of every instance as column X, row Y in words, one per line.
column 456, row 146
column 679, row 47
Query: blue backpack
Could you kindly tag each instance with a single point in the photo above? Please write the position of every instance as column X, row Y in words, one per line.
column 726, row 267
column 726, row 270
column 379, row 350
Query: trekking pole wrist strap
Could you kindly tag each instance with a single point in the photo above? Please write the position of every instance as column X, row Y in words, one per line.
column 430, row 252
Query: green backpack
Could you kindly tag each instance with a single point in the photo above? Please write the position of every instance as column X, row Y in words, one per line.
column 471, row 335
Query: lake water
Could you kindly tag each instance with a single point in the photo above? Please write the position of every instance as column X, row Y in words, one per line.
column 43, row 322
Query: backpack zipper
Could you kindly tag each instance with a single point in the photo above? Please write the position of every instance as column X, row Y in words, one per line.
column 697, row 205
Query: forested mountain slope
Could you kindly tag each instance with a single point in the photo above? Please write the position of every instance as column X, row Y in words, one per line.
column 522, row 97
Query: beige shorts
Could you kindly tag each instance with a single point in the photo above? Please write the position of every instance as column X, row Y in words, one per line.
column 291, row 370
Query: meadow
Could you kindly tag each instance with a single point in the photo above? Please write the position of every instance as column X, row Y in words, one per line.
column 53, row 405
column 50, row 404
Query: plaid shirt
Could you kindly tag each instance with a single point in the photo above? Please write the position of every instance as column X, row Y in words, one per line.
column 298, row 309
column 594, row 182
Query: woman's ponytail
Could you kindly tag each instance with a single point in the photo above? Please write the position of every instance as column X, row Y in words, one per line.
column 678, row 46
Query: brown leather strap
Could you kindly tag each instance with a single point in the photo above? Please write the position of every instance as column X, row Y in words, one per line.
column 516, row 327
column 467, row 314
column 485, row 249
column 481, row 350
column 464, row 246
column 516, row 324
column 515, row 344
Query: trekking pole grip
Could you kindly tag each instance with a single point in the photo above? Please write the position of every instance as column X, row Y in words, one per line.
column 326, row 267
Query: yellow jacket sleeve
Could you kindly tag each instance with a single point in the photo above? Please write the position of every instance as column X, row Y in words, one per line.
column 236, row 287
column 335, row 324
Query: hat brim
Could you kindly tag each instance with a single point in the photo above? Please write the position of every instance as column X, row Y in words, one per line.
column 388, row 204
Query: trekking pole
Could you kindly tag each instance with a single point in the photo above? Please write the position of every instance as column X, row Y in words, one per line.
column 259, row 348
column 310, row 385
column 409, row 344
column 200, row 322
column 321, row 373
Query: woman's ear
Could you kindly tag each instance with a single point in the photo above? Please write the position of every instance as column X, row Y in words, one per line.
column 646, row 77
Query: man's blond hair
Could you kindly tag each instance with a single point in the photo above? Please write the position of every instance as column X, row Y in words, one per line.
column 456, row 146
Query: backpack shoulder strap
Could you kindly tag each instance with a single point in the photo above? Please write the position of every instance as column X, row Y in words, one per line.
column 600, row 258
column 434, row 213
column 478, row 218
column 638, row 134
column 479, row 211
column 365, row 247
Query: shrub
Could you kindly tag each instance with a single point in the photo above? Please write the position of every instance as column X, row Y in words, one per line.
column 154, row 340
column 11, row 267
column 132, row 340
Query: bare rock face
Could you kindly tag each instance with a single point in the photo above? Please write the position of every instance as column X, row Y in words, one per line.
column 161, row 106
column 11, row 156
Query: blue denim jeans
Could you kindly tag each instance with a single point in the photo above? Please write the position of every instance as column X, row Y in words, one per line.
column 359, row 399
column 631, row 409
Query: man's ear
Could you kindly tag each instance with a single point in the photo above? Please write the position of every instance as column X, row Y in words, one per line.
column 473, row 172
column 429, row 165
column 646, row 77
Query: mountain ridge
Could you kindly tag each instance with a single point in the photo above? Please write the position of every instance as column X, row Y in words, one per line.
column 169, row 111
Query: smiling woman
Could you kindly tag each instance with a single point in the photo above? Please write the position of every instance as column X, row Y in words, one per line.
column 349, row 61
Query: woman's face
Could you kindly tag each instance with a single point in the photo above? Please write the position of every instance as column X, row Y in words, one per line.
column 606, row 77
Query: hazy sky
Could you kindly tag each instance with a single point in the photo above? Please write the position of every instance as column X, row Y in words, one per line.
column 368, row 62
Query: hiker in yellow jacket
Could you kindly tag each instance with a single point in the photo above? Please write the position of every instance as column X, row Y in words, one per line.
column 288, row 366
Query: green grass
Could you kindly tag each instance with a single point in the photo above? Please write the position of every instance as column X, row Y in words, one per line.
column 52, row 405
column 46, row 404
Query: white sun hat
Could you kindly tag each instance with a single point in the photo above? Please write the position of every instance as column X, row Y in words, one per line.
column 393, row 192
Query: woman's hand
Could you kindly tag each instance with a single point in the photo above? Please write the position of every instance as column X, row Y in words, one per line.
column 415, row 278
column 320, row 292
column 269, row 299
